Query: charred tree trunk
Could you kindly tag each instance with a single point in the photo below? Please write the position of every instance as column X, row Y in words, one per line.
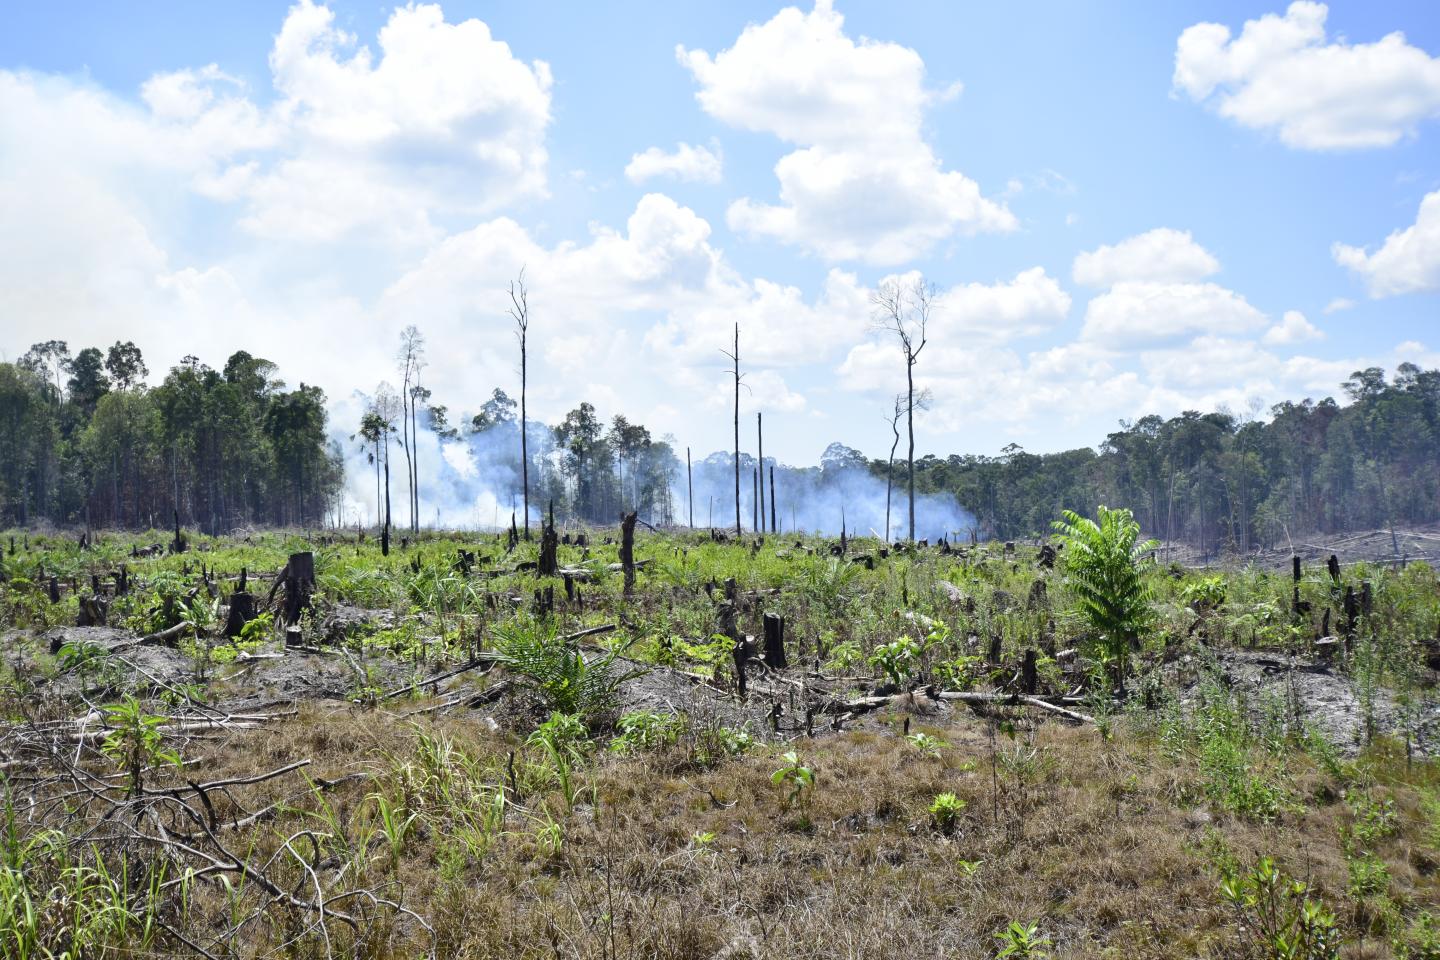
column 549, row 564
column 1029, row 674
column 385, row 530
column 775, row 641
column 690, row 488
column 242, row 611
column 760, row 467
column 773, row 525
column 298, row 578
column 736, row 357
column 627, row 550
column 755, row 499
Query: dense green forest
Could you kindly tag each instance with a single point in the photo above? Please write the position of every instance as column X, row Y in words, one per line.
column 84, row 440
column 1223, row 483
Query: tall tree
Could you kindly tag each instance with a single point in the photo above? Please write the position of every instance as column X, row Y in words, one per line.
column 125, row 364
column 411, row 358
column 520, row 313
column 735, row 360
column 903, row 309
column 88, row 382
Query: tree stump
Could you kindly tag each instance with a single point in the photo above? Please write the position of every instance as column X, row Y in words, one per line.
column 242, row 611
column 774, row 624
column 1029, row 677
column 93, row 611
column 627, row 550
column 299, row 581
column 549, row 564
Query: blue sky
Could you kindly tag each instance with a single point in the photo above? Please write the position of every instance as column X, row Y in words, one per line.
column 1120, row 221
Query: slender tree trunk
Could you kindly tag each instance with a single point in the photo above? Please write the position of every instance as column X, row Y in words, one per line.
column 690, row 487
column 774, row 527
column 524, row 430
column 755, row 513
column 385, row 531
column 910, row 427
column 405, row 400
column 415, row 465
column 736, row 358
column 760, row 446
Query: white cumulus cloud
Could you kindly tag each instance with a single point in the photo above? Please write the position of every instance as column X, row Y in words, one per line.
column 863, row 184
column 685, row 162
column 1409, row 259
column 1162, row 255
column 1135, row 313
column 1280, row 74
column 1292, row 328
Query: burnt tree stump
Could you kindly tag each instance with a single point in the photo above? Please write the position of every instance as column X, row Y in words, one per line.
column 93, row 611
column 298, row 578
column 1029, row 676
column 242, row 610
column 549, row 564
column 774, row 624
column 627, row 550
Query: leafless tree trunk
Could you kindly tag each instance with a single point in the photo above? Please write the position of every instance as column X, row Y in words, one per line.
column 520, row 312
column 690, row 487
column 890, row 464
column 760, row 446
column 774, row 527
column 905, row 312
column 412, row 344
column 735, row 358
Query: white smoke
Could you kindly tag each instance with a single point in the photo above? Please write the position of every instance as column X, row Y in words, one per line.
column 473, row 483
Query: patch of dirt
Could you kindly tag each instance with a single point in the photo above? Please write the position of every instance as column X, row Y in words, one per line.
column 1316, row 695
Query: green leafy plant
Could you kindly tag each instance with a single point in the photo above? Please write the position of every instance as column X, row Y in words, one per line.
column 1369, row 877
column 559, row 674
column 926, row 744
column 135, row 741
column 642, row 730
column 797, row 778
column 945, row 811
column 896, row 660
column 1104, row 569
column 1421, row 941
column 1022, row 941
column 1276, row 916
column 566, row 742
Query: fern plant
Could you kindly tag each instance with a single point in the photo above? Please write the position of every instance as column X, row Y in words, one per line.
column 559, row 674
column 1103, row 564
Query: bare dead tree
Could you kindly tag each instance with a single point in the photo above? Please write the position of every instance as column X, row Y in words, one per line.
column 903, row 309
column 385, row 407
column 411, row 358
column 735, row 359
column 690, row 487
column 760, row 447
column 890, row 464
column 520, row 313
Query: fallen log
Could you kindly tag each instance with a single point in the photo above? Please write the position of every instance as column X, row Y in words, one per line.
column 965, row 697
column 866, row 704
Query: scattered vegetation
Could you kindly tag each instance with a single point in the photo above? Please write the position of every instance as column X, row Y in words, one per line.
column 444, row 764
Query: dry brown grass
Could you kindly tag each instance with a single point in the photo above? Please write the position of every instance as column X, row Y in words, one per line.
column 1109, row 849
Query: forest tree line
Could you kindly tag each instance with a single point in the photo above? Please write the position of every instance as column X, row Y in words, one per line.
column 1226, row 483
column 84, row 440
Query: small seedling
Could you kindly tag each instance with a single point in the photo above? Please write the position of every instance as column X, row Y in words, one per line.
column 799, row 778
column 945, row 811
